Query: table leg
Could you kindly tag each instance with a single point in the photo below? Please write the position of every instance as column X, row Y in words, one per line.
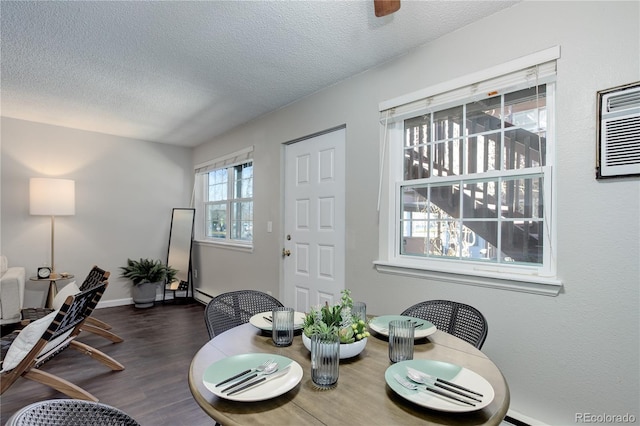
column 53, row 290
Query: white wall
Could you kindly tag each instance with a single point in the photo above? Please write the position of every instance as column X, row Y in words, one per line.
column 574, row 353
column 125, row 190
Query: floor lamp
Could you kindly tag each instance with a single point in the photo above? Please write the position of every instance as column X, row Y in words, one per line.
column 52, row 197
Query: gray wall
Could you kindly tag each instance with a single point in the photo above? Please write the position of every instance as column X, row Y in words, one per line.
column 125, row 190
column 574, row 353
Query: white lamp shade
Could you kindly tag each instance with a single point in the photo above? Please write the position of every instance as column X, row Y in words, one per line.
column 52, row 197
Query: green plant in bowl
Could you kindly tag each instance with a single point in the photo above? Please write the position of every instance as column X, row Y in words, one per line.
column 336, row 319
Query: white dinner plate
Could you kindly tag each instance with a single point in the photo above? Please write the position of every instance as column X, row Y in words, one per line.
column 381, row 325
column 453, row 373
column 259, row 321
column 230, row 366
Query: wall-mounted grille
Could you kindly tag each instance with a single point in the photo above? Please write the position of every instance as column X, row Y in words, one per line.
column 618, row 150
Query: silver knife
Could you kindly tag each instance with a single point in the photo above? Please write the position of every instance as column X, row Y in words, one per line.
column 262, row 379
column 446, row 382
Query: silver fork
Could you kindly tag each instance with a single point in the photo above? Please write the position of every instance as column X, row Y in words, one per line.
column 259, row 368
column 265, row 371
column 407, row 384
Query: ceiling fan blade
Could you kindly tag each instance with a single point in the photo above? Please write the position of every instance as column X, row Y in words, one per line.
column 385, row 7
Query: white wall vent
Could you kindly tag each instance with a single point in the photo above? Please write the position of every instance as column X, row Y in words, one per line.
column 618, row 151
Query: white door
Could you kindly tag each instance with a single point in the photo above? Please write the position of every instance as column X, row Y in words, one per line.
column 314, row 229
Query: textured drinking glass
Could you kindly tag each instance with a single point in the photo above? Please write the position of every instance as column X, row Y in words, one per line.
column 325, row 359
column 360, row 310
column 282, row 326
column 401, row 334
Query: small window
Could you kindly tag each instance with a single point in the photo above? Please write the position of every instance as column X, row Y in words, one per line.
column 224, row 200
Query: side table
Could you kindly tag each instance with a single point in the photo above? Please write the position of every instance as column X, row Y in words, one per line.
column 53, row 288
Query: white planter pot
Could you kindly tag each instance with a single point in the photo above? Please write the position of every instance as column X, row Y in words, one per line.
column 347, row 350
column 144, row 295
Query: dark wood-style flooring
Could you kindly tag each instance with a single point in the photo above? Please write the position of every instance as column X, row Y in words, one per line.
column 158, row 346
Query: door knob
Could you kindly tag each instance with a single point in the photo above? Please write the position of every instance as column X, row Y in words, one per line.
column 286, row 252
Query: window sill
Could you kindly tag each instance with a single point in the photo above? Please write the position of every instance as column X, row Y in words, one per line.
column 529, row 284
column 247, row 248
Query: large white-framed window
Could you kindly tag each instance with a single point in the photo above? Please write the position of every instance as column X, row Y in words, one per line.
column 223, row 196
column 470, row 179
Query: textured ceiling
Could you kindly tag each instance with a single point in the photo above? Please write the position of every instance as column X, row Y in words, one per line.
column 184, row 72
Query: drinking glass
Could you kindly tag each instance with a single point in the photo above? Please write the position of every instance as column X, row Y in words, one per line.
column 401, row 335
column 282, row 326
column 325, row 359
column 359, row 309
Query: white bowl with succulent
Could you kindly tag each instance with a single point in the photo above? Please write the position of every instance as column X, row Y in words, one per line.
column 337, row 319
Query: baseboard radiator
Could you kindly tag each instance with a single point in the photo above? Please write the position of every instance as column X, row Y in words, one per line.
column 518, row 419
column 201, row 296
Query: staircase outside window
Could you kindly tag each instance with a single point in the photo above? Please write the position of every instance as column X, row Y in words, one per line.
column 472, row 184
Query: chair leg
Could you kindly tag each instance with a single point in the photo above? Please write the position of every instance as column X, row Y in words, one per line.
column 59, row 384
column 96, row 354
column 8, row 378
column 102, row 332
column 98, row 323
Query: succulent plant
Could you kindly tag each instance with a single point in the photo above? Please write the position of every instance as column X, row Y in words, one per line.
column 336, row 319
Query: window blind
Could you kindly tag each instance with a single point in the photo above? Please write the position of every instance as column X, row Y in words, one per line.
column 228, row 160
column 535, row 69
column 232, row 159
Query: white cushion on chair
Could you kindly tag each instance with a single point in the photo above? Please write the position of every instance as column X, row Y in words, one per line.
column 70, row 289
column 25, row 341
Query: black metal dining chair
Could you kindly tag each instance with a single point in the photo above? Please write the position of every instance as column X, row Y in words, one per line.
column 235, row 308
column 70, row 412
column 458, row 319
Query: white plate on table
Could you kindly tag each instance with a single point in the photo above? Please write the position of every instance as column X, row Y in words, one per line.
column 259, row 321
column 451, row 372
column 230, row 366
column 381, row 325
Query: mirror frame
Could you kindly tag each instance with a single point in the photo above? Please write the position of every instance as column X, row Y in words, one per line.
column 180, row 249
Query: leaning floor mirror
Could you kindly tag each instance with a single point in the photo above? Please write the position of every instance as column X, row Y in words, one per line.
column 179, row 253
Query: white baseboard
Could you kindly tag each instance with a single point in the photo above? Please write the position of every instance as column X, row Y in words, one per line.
column 112, row 303
column 127, row 301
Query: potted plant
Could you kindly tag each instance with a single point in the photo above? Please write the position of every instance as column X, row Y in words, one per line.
column 146, row 275
column 337, row 319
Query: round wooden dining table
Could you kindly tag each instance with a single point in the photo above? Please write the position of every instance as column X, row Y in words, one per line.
column 361, row 396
